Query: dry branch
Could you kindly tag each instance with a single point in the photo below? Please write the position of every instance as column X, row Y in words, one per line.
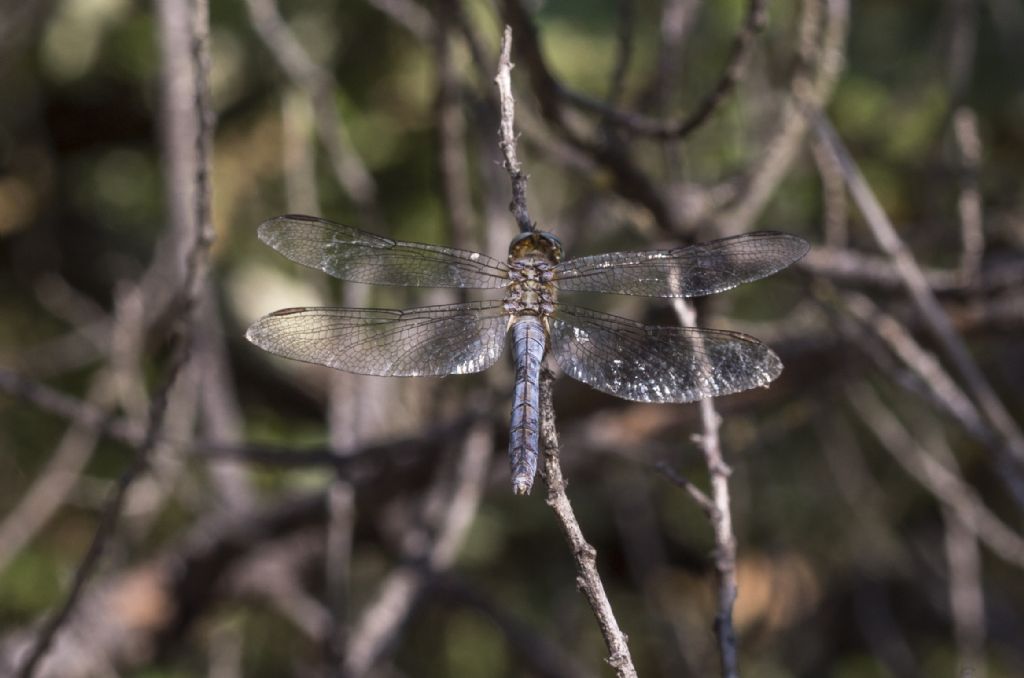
column 588, row 580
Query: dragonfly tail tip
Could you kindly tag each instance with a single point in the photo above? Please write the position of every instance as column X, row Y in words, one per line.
column 522, row 485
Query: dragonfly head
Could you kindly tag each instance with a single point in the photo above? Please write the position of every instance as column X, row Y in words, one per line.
column 536, row 243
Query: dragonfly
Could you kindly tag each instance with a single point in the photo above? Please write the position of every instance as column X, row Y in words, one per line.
column 621, row 357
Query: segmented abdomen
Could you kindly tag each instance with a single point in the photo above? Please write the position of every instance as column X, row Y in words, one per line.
column 524, row 438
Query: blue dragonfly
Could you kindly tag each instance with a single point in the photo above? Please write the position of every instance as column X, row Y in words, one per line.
column 627, row 359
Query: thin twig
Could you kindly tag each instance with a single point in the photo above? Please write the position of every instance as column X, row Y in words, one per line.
column 587, row 578
column 720, row 515
column 677, row 479
column 507, row 135
column 631, row 181
column 196, row 262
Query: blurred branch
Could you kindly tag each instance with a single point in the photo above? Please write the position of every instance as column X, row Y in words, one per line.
column 720, row 515
column 943, row 482
column 507, row 135
column 626, row 23
column 534, row 649
column 134, row 612
column 735, row 68
column 935, row 318
column 588, row 580
column 433, row 545
column 407, row 14
column 697, row 494
column 367, row 461
column 678, row 17
column 197, row 61
column 632, row 182
column 833, row 189
column 921, row 362
column 852, row 267
column 50, row 489
column 318, row 84
column 451, row 130
column 822, row 52
column 966, row 592
column 898, row 356
column 972, row 232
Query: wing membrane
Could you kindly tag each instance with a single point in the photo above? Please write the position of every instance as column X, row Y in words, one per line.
column 428, row 341
column 357, row 256
column 692, row 271
column 657, row 364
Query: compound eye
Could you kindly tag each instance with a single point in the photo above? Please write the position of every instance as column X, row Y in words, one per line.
column 536, row 242
column 555, row 243
column 516, row 241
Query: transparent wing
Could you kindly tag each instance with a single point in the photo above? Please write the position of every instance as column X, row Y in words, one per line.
column 428, row 341
column 657, row 364
column 358, row 256
column 692, row 271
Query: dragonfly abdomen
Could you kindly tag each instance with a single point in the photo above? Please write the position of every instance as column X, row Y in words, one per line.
column 528, row 341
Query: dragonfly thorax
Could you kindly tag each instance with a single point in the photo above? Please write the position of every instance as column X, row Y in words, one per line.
column 530, row 290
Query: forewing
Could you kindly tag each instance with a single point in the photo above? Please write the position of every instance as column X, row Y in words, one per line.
column 691, row 271
column 657, row 364
column 350, row 254
column 428, row 341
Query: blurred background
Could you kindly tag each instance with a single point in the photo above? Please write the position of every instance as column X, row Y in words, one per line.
column 291, row 520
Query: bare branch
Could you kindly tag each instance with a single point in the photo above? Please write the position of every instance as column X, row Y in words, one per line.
column 588, row 580
column 507, row 135
column 720, row 515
